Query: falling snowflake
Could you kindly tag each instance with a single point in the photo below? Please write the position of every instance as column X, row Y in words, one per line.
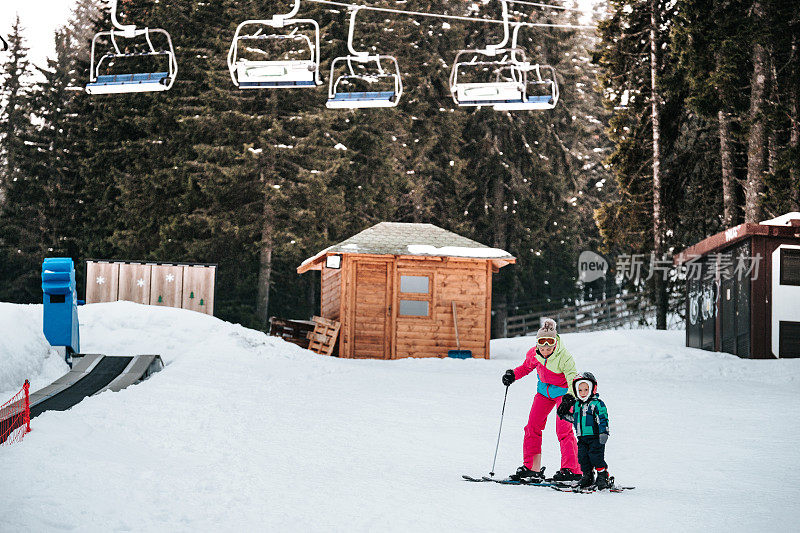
column 100, row 280
column 140, row 282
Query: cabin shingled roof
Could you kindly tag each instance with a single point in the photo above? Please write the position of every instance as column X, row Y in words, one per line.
column 394, row 238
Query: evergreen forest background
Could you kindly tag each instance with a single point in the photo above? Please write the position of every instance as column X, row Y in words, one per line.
column 677, row 119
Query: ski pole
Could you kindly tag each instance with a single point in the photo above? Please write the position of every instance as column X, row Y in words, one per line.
column 502, row 414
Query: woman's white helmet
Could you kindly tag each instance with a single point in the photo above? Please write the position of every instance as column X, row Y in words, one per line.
column 589, row 379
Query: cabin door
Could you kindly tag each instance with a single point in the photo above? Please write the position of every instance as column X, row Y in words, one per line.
column 372, row 310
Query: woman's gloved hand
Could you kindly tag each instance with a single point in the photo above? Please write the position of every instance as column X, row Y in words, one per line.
column 508, row 378
column 567, row 401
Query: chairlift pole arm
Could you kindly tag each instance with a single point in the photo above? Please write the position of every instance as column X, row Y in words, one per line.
column 492, row 49
column 4, row 45
column 127, row 29
column 514, row 41
column 350, row 34
column 278, row 21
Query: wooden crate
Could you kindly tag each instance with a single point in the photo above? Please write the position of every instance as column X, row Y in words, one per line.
column 323, row 338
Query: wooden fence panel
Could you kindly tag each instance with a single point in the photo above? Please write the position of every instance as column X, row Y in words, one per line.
column 134, row 282
column 166, row 285
column 102, row 282
column 198, row 288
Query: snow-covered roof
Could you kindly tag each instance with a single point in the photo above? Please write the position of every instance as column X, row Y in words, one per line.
column 783, row 220
column 777, row 227
column 401, row 238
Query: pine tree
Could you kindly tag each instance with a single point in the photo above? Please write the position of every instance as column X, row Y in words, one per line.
column 21, row 224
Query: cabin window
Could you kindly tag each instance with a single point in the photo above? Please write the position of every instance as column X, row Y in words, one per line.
column 415, row 294
column 790, row 267
column 414, row 308
column 415, row 284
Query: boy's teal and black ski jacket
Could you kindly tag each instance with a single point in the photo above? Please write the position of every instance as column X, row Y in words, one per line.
column 590, row 417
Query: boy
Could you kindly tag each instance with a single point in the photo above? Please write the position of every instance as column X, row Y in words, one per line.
column 590, row 419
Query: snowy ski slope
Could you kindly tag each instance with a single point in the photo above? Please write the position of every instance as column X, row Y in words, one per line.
column 244, row 432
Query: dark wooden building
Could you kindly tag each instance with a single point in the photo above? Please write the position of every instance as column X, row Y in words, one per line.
column 743, row 290
column 393, row 287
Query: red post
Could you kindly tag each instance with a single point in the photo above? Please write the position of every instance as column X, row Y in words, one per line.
column 27, row 414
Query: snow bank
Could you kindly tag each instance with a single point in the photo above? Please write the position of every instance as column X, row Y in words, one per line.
column 24, row 352
column 241, row 431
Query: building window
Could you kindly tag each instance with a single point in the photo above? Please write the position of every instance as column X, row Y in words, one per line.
column 789, row 339
column 415, row 284
column 414, row 308
column 790, row 267
column 415, row 294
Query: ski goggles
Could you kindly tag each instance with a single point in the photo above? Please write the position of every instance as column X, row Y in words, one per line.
column 546, row 341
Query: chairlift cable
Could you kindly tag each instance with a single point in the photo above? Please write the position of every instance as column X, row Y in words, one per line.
column 547, row 6
column 451, row 17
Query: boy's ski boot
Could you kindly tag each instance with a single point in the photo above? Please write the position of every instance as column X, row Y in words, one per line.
column 526, row 475
column 604, row 481
column 587, row 479
column 566, row 476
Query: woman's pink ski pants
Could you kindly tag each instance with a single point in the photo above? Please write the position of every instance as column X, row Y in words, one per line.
column 532, row 444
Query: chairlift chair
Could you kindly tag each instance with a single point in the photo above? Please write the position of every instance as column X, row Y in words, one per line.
column 3, row 44
column 508, row 84
column 345, row 91
column 134, row 82
column 508, row 88
column 539, row 92
column 275, row 73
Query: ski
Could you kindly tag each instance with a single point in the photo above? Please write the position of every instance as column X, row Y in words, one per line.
column 508, row 481
column 475, row 479
column 589, row 490
column 485, row 479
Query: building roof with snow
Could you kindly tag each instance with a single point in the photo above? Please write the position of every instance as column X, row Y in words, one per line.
column 411, row 239
column 784, row 226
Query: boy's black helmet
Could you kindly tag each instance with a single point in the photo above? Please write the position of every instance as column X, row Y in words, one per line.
column 585, row 376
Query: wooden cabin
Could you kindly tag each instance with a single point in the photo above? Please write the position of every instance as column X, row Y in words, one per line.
column 393, row 285
column 743, row 289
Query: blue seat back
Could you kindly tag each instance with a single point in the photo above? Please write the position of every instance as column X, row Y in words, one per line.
column 365, row 96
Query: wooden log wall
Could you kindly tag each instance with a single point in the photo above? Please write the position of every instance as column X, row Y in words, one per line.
column 331, row 295
column 466, row 282
column 367, row 290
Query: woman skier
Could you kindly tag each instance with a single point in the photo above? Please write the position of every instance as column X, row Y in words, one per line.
column 556, row 370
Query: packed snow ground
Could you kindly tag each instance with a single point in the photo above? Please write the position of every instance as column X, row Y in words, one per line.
column 245, row 432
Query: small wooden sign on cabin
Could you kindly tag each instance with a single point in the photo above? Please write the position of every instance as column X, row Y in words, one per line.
column 186, row 286
column 392, row 287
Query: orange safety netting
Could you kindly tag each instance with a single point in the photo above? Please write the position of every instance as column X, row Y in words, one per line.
column 15, row 416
